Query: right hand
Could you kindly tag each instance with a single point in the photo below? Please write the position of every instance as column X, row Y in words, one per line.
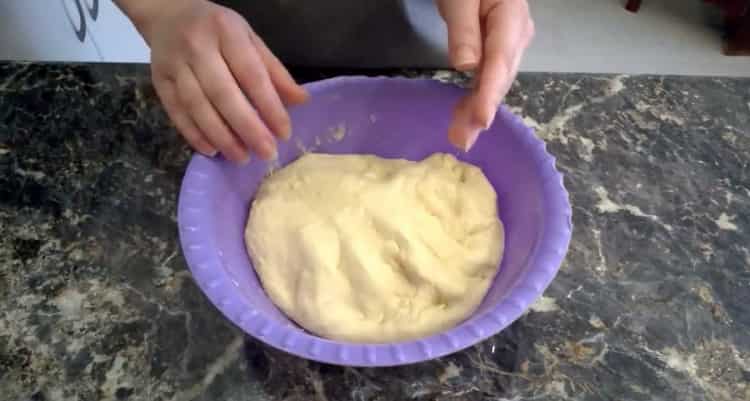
column 489, row 36
column 220, row 84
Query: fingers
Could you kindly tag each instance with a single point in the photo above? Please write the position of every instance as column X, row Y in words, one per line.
column 233, row 106
column 508, row 30
column 182, row 121
column 252, row 76
column 289, row 91
column 464, row 32
column 464, row 130
column 195, row 102
column 218, row 84
column 506, row 37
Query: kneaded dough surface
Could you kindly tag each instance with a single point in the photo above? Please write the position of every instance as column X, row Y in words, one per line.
column 364, row 249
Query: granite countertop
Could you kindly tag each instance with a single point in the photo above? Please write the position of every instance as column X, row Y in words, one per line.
column 652, row 303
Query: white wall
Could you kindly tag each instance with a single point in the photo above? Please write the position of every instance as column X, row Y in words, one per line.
column 599, row 36
column 68, row 30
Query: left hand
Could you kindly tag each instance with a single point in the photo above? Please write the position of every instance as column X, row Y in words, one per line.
column 489, row 36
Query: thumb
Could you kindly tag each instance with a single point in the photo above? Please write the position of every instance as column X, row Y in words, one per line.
column 464, row 32
column 464, row 130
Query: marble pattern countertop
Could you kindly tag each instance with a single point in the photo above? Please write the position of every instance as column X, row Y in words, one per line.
column 652, row 303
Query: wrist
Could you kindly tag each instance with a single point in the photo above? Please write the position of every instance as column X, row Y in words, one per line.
column 145, row 13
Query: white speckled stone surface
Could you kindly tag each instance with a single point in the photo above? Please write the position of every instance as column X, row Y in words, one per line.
column 653, row 302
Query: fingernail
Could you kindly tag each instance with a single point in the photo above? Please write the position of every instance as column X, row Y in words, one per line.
column 488, row 123
column 466, row 57
column 269, row 148
column 210, row 154
column 286, row 132
column 305, row 95
column 245, row 160
column 298, row 97
column 485, row 120
column 470, row 141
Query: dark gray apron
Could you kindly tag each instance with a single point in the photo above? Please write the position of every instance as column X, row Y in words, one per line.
column 349, row 33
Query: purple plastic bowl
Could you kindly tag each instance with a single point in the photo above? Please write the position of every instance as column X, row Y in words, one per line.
column 388, row 117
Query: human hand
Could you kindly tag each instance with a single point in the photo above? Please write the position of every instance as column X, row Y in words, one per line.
column 489, row 36
column 222, row 87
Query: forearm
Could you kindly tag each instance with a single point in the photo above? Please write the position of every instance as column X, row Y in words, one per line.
column 136, row 10
column 142, row 12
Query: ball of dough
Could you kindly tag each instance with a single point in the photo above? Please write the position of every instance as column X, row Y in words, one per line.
column 364, row 249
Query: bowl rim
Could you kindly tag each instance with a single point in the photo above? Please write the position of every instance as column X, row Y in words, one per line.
column 545, row 261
